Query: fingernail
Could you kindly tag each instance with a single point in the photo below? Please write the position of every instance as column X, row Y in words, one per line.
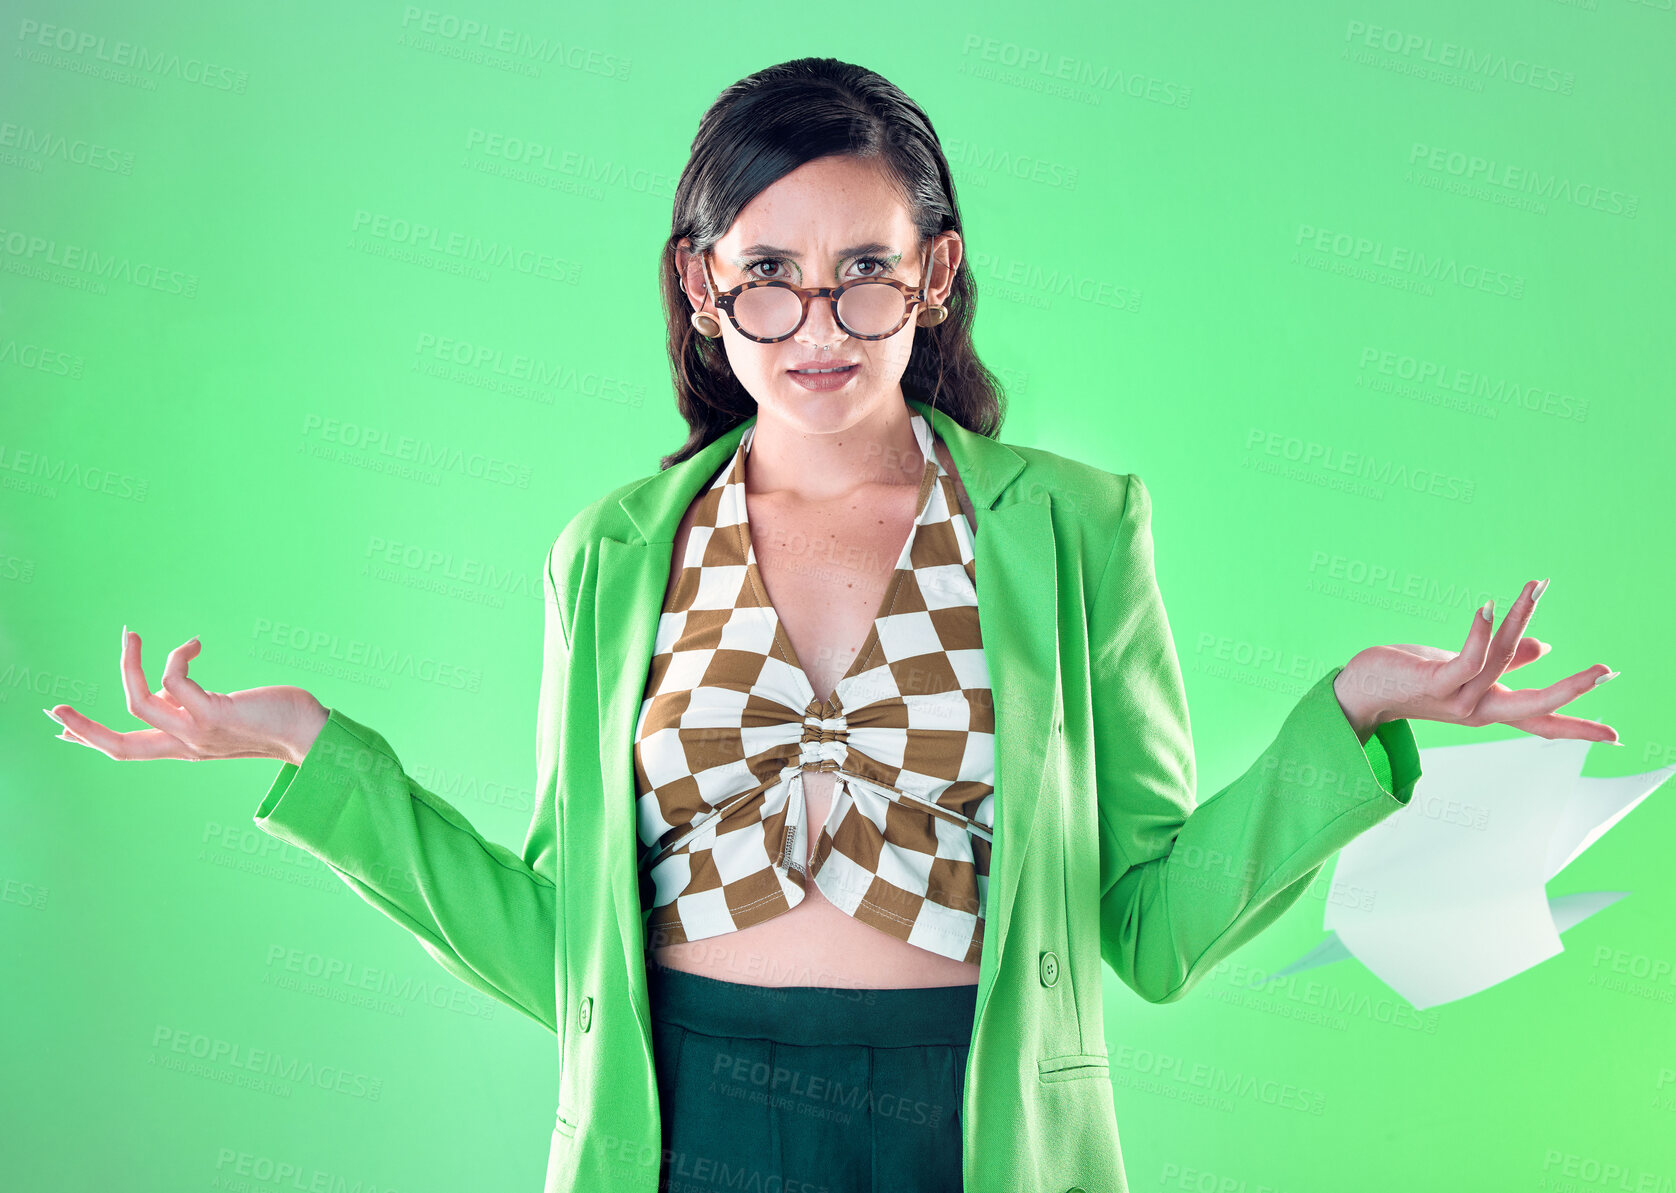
column 1615, row 743
column 53, row 715
column 1487, row 608
column 1604, row 678
column 1536, row 594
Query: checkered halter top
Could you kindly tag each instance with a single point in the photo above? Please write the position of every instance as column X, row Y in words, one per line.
column 730, row 723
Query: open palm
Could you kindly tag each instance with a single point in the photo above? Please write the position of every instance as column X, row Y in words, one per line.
column 192, row 724
column 1409, row 680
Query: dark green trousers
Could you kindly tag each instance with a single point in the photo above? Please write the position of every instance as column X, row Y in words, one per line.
column 808, row 1089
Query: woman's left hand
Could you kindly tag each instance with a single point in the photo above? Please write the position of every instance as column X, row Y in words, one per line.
column 1388, row 683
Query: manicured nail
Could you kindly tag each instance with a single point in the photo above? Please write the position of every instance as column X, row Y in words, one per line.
column 1615, row 743
column 53, row 715
column 1487, row 608
column 1537, row 594
column 1604, row 678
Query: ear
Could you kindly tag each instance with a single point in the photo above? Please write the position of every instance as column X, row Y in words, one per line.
column 946, row 253
column 689, row 267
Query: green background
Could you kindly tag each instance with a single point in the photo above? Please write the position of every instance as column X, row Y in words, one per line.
column 1377, row 301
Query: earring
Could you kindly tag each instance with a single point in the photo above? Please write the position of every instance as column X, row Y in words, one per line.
column 931, row 316
column 706, row 324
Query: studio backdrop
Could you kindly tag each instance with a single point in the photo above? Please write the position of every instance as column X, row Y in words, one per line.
column 300, row 307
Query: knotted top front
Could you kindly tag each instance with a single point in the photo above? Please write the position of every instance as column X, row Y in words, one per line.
column 730, row 724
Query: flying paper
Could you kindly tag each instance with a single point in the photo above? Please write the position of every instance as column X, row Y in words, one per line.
column 1447, row 896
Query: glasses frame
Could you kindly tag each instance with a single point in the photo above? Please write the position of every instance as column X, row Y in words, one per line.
column 916, row 296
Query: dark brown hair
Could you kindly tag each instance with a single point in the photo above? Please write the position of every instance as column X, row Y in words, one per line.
column 759, row 130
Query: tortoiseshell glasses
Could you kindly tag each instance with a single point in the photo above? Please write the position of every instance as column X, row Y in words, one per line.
column 769, row 310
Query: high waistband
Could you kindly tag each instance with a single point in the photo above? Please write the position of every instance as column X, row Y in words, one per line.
column 813, row 1015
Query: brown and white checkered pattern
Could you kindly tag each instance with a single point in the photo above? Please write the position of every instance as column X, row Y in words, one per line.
column 730, row 723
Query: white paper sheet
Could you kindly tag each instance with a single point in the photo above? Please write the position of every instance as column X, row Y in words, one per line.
column 1447, row 896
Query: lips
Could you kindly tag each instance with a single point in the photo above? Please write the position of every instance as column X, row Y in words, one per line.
column 824, row 382
column 823, row 365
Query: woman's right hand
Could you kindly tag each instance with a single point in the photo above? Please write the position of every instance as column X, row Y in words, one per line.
column 193, row 725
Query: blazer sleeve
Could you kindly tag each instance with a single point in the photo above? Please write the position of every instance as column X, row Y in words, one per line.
column 485, row 913
column 1183, row 884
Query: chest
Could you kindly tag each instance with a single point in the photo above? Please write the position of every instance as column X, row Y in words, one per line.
column 827, row 566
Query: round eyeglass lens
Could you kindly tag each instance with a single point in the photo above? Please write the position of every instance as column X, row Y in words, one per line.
column 867, row 308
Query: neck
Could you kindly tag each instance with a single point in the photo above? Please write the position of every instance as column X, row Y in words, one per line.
column 806, row 459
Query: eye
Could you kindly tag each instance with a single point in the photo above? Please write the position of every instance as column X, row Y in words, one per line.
column 781, row 276
column 880, row 267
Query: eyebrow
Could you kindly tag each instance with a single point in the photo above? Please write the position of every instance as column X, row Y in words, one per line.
column 854, row 250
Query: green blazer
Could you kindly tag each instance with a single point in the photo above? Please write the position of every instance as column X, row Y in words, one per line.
column 1101, row 850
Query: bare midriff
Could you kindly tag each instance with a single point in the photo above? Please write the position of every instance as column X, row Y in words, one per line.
column 815, row 944
column 826, row 610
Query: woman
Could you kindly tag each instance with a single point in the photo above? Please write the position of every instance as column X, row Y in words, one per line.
column 824, row 864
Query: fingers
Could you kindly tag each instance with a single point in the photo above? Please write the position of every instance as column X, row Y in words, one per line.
column 64, row 733
column 1528, row 651
column 1490, row 654
column 1505, row 644
column 1556, row 725
column 183, row 691
column 166, row 711
column 1470, row 661
column 141, row 745
column 141, row 702
column 1514, row 707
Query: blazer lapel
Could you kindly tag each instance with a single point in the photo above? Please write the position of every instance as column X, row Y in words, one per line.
column 1015, row 564
column 633, row 579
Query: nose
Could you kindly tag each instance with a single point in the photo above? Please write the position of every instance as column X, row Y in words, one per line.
column 821, row 328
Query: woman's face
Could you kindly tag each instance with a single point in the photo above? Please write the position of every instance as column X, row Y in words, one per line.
column 832, row 220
